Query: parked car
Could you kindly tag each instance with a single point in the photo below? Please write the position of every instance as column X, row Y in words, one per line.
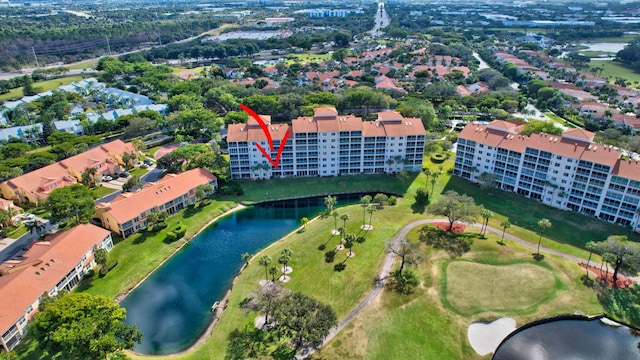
column 143, row 166
column 107, row 178
column 27, row 216
column 124, row 174
column 148, row 162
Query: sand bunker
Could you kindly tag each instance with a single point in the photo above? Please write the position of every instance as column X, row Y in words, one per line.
column 485, row 337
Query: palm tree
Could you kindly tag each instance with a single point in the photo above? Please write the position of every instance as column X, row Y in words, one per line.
column 344, row 218
column 349, row 240
column 371, row 210
column 608, row 258
column 335, row 215
column 544, row 224
column 591, row 246
column 365, row 201
column 304, row 222
column 285, row 258
column 486, row 215
column 427, row 173
column 434, row 179
column 246, row 257
column 330, row 201
column 265, row 260
column 505, row 225
column 273, row 270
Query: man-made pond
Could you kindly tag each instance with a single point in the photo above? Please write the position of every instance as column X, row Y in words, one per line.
column 172, row 307
column 572, row 337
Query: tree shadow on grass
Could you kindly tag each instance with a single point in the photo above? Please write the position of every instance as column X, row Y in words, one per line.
column 454, row 244
column 418, row 208
column 144, row 235
column 86, row 283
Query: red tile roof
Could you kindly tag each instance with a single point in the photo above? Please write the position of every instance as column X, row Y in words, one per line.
column 128, row 206
column 58, row 256
column 38, row 181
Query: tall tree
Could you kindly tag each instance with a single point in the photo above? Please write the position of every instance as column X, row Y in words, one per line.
column 591, row 246
column 330, row 201
column 364, row 202
column 407, row 251
column 246, row 257
column 486, row 215
column 71, row 202
column 83, row 326
column 265, row 260
column 335, row 215
column 306, row 320
column 101, row 257
column 626, row 253
column 543, row 224
column 505, row 225
column 344, row 218
column 455, row 207
column 371, row 210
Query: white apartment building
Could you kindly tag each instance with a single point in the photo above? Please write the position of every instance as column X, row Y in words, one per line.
column 328, row 144
column 567, row 172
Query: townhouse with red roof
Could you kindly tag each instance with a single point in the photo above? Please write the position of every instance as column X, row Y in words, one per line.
column 127, row 213
column 46, row 268
column 35, row 186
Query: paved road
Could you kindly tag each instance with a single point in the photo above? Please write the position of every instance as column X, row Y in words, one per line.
column 390, row 259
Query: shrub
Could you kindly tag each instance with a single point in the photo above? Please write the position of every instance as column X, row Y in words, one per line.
column 180, row 231
column 171, row 236
column 422, row 197
column 438, row 158
column 393, row 200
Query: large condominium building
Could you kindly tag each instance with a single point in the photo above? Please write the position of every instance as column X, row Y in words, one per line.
column 328, row 144
column 127, row 213
column 58, row 263
column 568, row 171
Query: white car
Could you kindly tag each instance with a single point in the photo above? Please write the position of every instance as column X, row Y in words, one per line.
column 107, row 178
column 28, row 216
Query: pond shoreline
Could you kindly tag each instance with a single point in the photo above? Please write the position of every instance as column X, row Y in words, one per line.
column 124, row 294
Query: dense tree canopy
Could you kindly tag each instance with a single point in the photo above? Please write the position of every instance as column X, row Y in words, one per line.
column 455, row 207
column 82, row 326
column 71, row 202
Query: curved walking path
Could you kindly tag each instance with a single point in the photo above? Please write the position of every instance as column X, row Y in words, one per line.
column 388, row 263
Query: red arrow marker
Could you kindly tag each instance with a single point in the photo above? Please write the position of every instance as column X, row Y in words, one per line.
column 275, row 162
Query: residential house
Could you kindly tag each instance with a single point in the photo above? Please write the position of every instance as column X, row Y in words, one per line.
column 47, row 267
column 567, row 171
column 35, row 186
column 127, row 213
column 328, row 144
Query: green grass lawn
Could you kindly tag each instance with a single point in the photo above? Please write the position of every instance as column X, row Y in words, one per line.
column 495, row 287
column 43, row 85
column 300, row 187
column 559, row 120
column 614, row 70
column 420, row 326
column 138, row 171
column 20, row 230
column 307, row 58
column 568, row 227
column 141, row 253
column 621, row 39
column 101, row 191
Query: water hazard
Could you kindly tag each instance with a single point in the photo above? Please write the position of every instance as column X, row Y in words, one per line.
column 571, row 339
column 172, row 307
